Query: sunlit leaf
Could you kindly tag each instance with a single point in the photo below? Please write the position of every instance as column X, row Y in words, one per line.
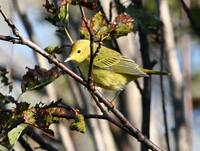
column 15, row 133
column 9, row 139
column 63, row 13
column 38, row 78
column 78, row 124
column 3, row 148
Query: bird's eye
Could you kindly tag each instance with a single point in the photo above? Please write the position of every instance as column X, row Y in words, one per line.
column 78, row 51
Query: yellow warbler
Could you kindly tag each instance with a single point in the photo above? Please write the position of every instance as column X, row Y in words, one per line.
column 110, row 69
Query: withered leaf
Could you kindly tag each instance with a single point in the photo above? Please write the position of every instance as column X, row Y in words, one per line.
column 122, row 24
column 38, row 77
column 104, row 30
column 43, row 117
column 15, row 121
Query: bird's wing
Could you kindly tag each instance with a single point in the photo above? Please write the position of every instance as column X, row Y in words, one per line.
column 128, row 66
column 106, row 58
column 111, row 60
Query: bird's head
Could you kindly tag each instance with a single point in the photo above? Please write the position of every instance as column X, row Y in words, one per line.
column 80, row 51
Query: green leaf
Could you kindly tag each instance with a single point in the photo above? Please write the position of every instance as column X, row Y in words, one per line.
column 38, row 78
column 15, row 133
column 3, row 148
column 63, row 13
column 78, row 124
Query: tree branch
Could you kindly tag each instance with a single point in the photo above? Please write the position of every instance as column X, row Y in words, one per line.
column 45, row 145
column 10, row 24
column 24, row 144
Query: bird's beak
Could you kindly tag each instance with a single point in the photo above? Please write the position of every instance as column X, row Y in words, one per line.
column 68, row 59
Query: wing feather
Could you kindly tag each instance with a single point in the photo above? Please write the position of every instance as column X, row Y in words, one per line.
column 106, row 58
column 109, row 59
column 128, row 66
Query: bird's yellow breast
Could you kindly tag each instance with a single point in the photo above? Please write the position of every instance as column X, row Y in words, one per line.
column 106, row 78
column 110, row 80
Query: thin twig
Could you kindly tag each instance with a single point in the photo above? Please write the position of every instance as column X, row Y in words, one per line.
column 139, row 87
column 24, row 144
column 99, row 104
column 10, row 24
column 68, row 35
column 43, row 144
column 90, row 83
column 96, row 116
column 66, row 25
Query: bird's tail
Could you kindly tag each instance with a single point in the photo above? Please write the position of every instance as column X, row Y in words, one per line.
column 148, row 71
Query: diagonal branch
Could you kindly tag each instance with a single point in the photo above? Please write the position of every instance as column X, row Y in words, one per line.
column 10, row 24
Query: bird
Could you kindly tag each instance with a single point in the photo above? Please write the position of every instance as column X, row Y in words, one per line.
column 110, row 70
